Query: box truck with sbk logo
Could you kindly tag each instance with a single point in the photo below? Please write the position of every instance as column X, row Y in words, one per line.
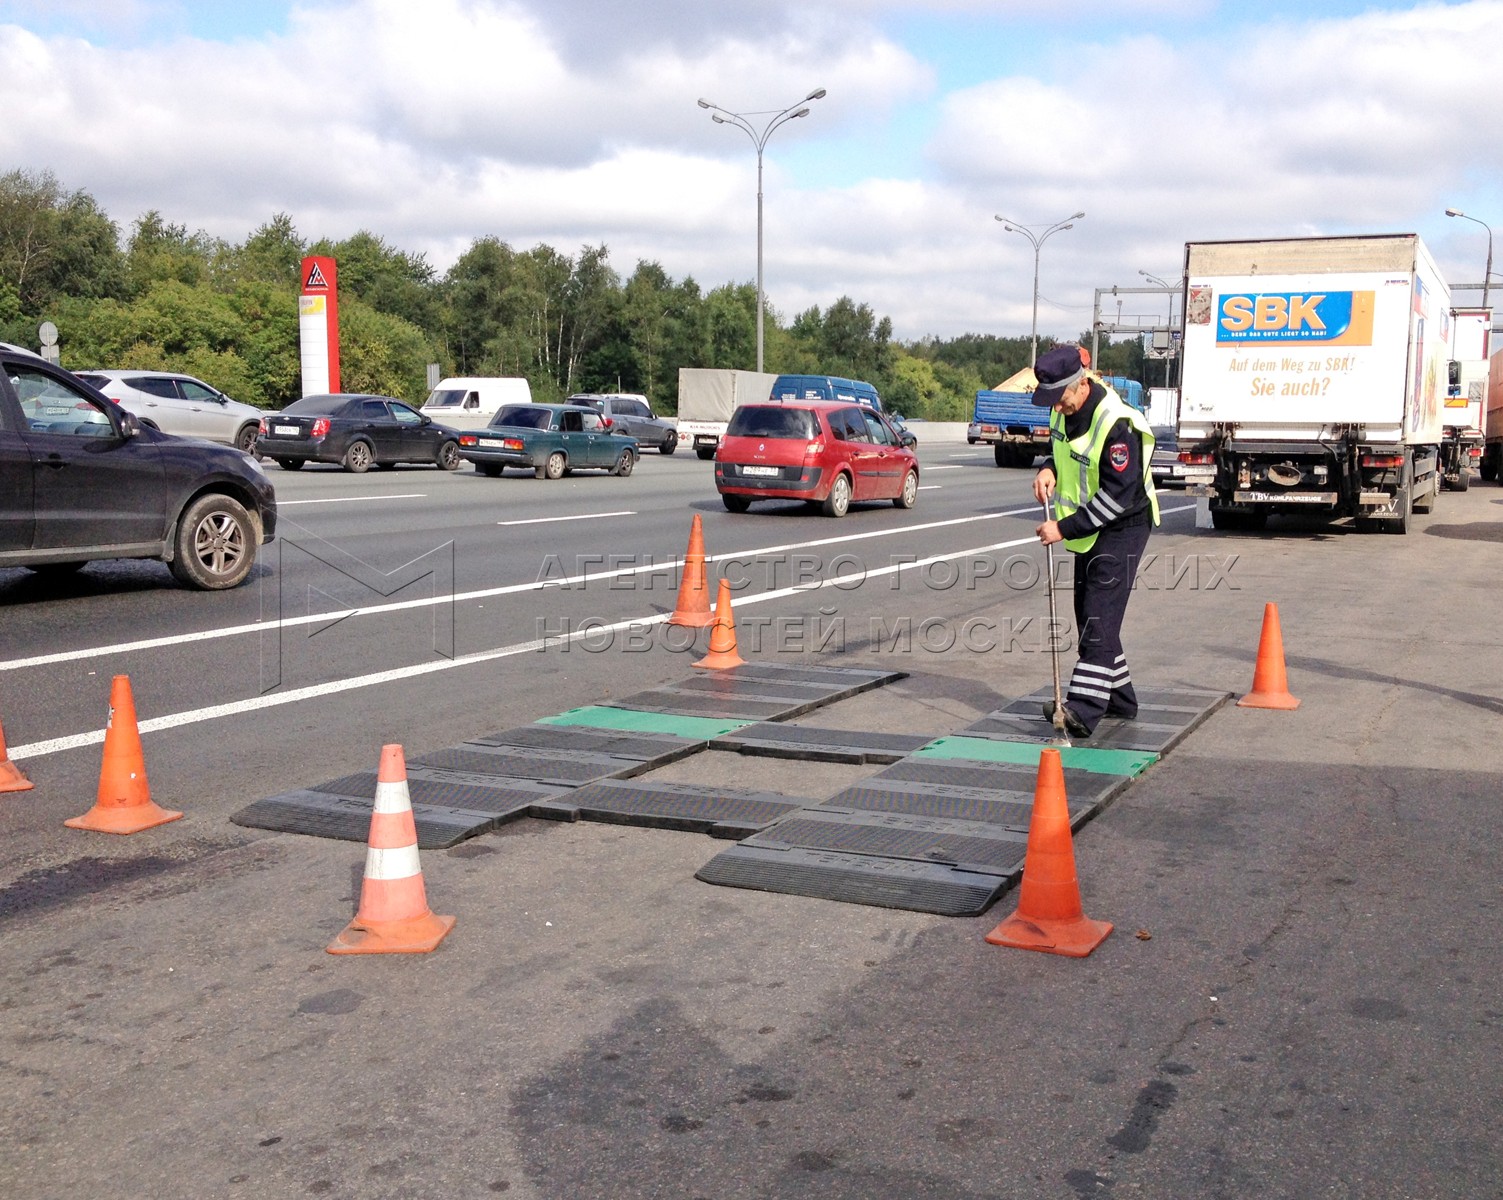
column 1314, row 378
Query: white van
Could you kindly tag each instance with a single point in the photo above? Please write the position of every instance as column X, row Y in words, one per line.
column 469, row 402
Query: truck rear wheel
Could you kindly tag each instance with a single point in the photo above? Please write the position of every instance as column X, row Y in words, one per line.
column 705, row 452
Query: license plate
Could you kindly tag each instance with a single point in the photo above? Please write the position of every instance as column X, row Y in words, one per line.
column 759, row 470
column 284, row 430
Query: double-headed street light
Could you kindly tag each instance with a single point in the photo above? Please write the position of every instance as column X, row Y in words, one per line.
column 1487, row 277
column 1038, row 240
column 723, row 116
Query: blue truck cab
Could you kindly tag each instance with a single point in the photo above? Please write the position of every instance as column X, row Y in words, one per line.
column 1019, row 430
column 825, row 387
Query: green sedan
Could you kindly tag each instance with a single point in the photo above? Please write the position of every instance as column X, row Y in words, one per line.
column 551, row 439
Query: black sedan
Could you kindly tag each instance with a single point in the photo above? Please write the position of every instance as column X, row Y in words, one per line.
column 82, row 479
column 355, row 431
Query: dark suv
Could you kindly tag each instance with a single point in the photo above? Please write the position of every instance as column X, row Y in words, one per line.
column 630, row 414
column 81, row 478
column 826, row 453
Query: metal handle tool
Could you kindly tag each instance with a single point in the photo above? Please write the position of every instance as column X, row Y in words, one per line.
column 1061, row 735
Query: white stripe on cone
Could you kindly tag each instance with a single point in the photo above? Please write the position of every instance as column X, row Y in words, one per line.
column 393, row 797
column 399, row 862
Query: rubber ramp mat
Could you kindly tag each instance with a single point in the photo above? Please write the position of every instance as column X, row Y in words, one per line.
column 1110, row 734
column 604, row 716
column 720, row 812
column 321, row 814
column 850, row 680
column 974, row 845
column 1165, row 716
column 776, row 740
column 502, row 798
column 1026, row 754
column 569, row 768
column 855, row 879
column 653, row 749
column 729, row 707
column 1087, row 787
column 1012, row 810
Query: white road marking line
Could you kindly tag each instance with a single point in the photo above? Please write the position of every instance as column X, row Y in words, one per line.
column 180, row 639
column 945, row 467
column 580, row 517
column 353, row 499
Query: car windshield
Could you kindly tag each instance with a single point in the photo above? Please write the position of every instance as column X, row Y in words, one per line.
column 523, row 416
column 772, row 421
column 316, row 406
column 445, row 398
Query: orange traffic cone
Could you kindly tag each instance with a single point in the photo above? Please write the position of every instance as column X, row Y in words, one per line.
column 722, row 653
column 1270, row 686
column 124, row 804
column 1049, row 915
column 693, row 607
column 393, row 917
column 11, row 778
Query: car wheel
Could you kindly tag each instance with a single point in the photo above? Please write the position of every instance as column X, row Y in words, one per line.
column 624, row 464
column 839, row 500
column 215, row 545
column 555, row 467
column 358, row 458
column 291, row 464
column 735, row 503
column 448, row 455
column 670, row 444
column 245, row 440
column 909, row 495
column 490, row 470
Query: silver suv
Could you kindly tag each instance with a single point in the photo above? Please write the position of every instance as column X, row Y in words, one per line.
column 180, row 404
column 629, row 414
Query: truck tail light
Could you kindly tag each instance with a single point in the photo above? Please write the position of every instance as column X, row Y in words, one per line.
column 1382, row 460
column 320, row 427
column 1196, row 460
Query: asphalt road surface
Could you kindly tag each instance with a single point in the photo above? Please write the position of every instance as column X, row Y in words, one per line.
column 1301, row 997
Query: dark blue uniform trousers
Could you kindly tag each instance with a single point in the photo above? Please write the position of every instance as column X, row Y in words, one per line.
column 1101, row 684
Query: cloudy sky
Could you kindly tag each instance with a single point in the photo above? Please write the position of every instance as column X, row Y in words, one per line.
column 573, row 122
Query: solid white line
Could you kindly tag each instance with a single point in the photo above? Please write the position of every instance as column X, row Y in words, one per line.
column 580, row 517
column 235, row 708
column 945, row 467
column 181, row 639
column 353, row 499
column 930, row 487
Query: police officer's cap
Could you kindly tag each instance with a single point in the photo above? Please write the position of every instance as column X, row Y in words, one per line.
column 1056, row 369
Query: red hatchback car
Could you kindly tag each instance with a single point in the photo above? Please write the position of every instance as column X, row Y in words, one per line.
column 820, row 451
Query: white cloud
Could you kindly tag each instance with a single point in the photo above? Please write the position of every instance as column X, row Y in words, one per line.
column 575, row 124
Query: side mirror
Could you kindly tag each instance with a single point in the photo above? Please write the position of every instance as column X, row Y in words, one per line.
column 130, row 426
column 606, row 422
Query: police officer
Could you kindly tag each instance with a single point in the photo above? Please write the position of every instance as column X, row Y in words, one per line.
column 1099, row 475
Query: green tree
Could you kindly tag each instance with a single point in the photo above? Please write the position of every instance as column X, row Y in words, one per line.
column 55, row 243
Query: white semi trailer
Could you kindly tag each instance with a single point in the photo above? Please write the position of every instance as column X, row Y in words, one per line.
column 1315, row 373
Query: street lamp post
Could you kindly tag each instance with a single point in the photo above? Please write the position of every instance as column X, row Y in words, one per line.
column 723, row 116
column 1487, row 277
column 1038, row 240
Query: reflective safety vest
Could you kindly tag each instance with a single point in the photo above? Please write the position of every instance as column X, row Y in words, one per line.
column 1077, row 461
